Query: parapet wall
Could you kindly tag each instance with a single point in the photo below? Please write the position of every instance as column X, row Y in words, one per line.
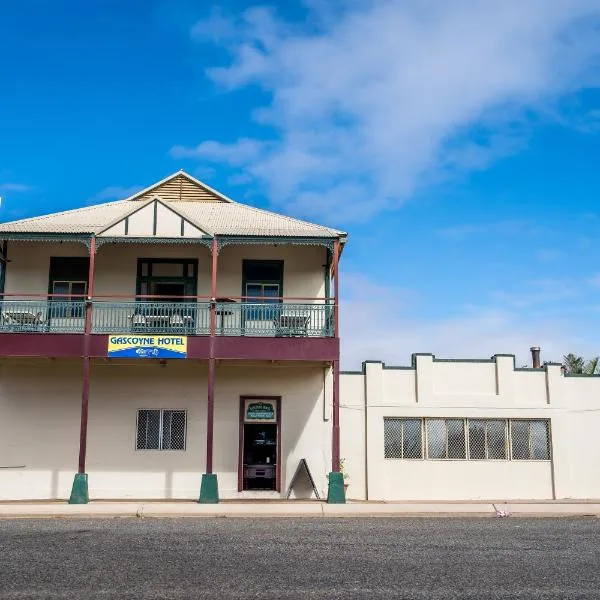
column 518, row 400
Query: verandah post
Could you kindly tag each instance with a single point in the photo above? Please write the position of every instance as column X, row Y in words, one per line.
column 209, row 489
column 336, row 494
column 79, row 491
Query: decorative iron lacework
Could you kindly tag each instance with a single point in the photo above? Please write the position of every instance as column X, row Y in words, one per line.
column 223, row 241
column 207, row 241
column 31, row 237
column 101, row 241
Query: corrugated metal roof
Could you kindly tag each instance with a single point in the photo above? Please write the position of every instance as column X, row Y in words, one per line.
column 216, row 218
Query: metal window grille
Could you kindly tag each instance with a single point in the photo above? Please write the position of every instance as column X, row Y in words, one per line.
column 161, row 429
column 403, row 438
column 471, row 439
column 446, row 439
column 487, row 439
column 530, row 439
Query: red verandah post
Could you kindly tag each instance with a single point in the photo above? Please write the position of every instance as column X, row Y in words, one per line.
column 336, row 494
column 335, row 455
column 209, row 492
column 79, row 492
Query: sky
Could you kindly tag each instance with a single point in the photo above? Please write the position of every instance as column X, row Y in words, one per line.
column 457, row 142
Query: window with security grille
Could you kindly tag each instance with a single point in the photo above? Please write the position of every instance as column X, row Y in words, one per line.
column 162, row 429
column 530, row 439
column 403, row 438
column 446, row 439
column 487, row 439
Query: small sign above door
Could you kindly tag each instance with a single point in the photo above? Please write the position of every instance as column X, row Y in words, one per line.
column 260, row 411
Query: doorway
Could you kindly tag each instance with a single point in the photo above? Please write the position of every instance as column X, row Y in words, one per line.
column 260, row 444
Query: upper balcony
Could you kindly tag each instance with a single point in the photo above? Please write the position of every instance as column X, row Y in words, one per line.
column 243, row 316
column 176, row 258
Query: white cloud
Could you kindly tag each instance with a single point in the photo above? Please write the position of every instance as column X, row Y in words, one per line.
column 14, row 187
column 114, row 192
column 379, row 323
column 367, row 104
column 239, row 153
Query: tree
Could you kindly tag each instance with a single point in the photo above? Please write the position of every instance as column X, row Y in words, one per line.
column 578, row 365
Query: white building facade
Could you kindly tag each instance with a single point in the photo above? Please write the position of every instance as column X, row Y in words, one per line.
column 179, row 345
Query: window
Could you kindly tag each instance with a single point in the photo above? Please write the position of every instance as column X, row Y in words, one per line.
column 262, row 285
column 487, row 439
column 163, row 429
column 446, row 438
column 171, row 278
column 530, row 440
column 470, row 439
column 403, row 438
column 68, row 286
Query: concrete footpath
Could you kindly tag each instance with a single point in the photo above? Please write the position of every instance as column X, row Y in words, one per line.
column 291, row 509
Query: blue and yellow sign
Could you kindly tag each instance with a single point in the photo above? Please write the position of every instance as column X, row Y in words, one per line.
column 147, row 346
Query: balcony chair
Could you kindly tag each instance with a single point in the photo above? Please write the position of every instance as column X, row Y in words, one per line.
column 22, row 319
column 291, row 325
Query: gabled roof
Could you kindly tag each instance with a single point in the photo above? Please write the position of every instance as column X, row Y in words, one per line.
column 182, row 187
column 179, row 198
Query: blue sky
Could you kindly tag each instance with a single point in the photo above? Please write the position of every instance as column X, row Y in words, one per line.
column 458, row 143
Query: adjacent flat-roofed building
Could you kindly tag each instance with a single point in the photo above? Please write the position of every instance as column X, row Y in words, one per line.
column 175, row 344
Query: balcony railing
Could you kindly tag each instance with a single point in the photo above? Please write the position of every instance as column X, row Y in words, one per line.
column 50, row 316
column 240, row 317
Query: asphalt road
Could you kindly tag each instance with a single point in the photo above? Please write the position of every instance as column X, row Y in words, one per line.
column 300, row 558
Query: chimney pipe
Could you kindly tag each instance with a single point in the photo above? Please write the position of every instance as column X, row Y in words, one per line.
column 535, row 356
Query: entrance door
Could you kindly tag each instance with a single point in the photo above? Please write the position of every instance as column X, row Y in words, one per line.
column 260, row 445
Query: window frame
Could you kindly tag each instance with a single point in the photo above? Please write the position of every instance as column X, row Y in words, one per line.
column 402, row 424
column 248, row 263
column 190, row 282
column 486, row 421
column 508, row 438
column 446, row 444
column 530, row 458
column 161, row 412
column 258, row 313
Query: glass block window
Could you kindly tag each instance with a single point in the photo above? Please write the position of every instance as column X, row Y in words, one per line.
column 161, row 429
column 403, row 438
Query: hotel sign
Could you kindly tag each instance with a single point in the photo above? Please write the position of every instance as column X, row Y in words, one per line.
column 147, row 346
column 260, row 411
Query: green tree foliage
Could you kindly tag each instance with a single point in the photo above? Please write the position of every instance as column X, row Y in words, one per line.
column 578, row 365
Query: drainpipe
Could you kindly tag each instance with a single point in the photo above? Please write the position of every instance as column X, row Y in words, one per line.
column 535, row 357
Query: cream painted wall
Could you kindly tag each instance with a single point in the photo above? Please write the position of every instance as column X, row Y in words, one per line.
column 29, row 269
column 477, row 389
column 116, row 266
column 39, row 427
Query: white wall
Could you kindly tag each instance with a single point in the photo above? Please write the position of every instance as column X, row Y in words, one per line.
column 39, row 426
column 471, row 389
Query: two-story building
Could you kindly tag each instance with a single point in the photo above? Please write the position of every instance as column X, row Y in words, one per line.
column 175, row 344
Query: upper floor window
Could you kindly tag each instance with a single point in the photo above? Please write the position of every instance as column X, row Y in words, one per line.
column 262, row 283
column 171, row 278
column 68, row 285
